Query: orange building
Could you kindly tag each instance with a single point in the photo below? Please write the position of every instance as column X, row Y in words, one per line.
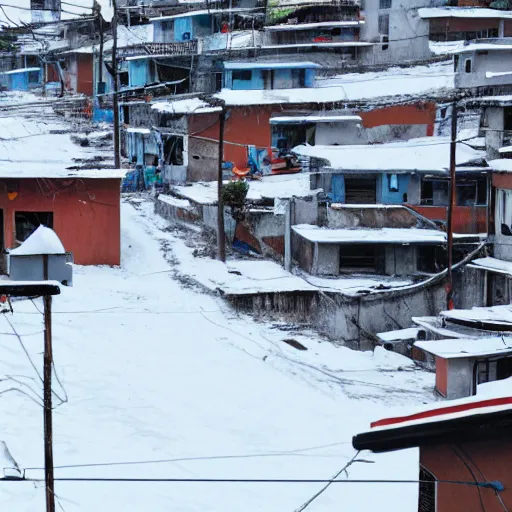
column 83, row 208
column 465, row 453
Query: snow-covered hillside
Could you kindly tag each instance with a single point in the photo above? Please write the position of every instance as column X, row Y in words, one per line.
column 167, row 375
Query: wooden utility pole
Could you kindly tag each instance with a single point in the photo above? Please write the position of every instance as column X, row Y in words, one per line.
column 221, row 235
column 47, row 398
column 451, row 204
column 117, row 152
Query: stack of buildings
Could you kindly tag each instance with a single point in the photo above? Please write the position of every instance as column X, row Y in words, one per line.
column 354, row 178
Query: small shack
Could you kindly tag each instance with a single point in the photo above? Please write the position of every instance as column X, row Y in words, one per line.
column 462, row 364
column 22, row 79
column 41, row 257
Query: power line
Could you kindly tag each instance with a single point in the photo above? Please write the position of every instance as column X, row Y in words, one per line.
column 315, row 496
column 488, row 485
column 297, row 452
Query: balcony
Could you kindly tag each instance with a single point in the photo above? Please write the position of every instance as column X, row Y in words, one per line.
column 175, row 49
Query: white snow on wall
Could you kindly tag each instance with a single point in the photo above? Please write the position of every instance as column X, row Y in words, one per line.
column 42, row 241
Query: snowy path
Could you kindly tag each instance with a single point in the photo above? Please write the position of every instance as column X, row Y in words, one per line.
column 157, row 371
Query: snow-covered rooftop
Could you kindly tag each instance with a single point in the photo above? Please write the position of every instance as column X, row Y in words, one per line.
column 423, row 154
column 462, row 12
column 20, row 70
column 270, row 65
column 501, row 165
column 281, row 186
column 32, row 149
column 200, row 12
column 317, row 234
column 398, row 335
column 469, row 347
column 455, row 409
column 494, row 315
column 486, row 45
column 493, row 264
column 289, row 27
column 315, row 119
column 42, row 241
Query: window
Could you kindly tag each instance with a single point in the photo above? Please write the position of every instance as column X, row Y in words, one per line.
column 173, row 150
column 357, row 257
column 428, row 491
column 360, row 190
column 242, row 74
column 27, row 222
column 468, row 63
column 455, row 63
column 385, row 4
column 503, row 211
column 434, row 192
column 298, row 78
column 384, row 24
column 126, row 114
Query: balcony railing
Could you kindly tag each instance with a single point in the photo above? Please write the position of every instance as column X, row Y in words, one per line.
column 181, row 48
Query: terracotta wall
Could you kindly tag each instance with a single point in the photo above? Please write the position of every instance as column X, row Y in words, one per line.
column 488, row 460
column 250, row 125
column 86, row 214
column 502, row 180
column 416, row 113
column 440, row 25
column 466, row 219
column 85, row 74
column 441, row 375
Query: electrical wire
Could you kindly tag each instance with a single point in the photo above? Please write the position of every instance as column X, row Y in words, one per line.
column 185, row 459
column 247, row 481
column 321, row 491
column 468, row 467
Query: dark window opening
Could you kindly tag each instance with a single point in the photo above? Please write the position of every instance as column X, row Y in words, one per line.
column 455, row 63
column 434, row 192
column 173, row 150
column 126, row 114
column 385, row 4
column 361, row 258
column 430, row 259
column 178, row 79
column 468, row 65
column 427, row 491
column 360, row 190
column 218, row 81
column 27, row 222
column 383, row 21
column 504, row 368
column 299, row 78
column 507, row 114
column 124, row 78
column 242, row 74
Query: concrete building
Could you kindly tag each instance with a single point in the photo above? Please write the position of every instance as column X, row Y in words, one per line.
column 462, row 364
column 466, row 23
column 459, row 442
column 484, row 64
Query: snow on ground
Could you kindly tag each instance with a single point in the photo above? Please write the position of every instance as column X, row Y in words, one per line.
column 154, row 370
column 393, row 81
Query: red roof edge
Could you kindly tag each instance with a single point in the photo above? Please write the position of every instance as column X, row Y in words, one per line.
column 442, row 411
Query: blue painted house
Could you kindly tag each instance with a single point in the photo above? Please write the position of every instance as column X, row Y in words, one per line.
column 23, row 79
column 186, row 27
column 250, row 76
column 141, row 72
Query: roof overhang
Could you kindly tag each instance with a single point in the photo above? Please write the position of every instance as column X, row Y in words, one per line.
column 29, row 288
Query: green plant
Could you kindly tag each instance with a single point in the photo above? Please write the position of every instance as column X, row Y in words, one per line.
column 233, row 195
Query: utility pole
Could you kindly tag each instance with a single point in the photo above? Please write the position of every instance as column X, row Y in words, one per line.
column 451, row 205
column 117, row 152
column 47, row 398
column 221, row 235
